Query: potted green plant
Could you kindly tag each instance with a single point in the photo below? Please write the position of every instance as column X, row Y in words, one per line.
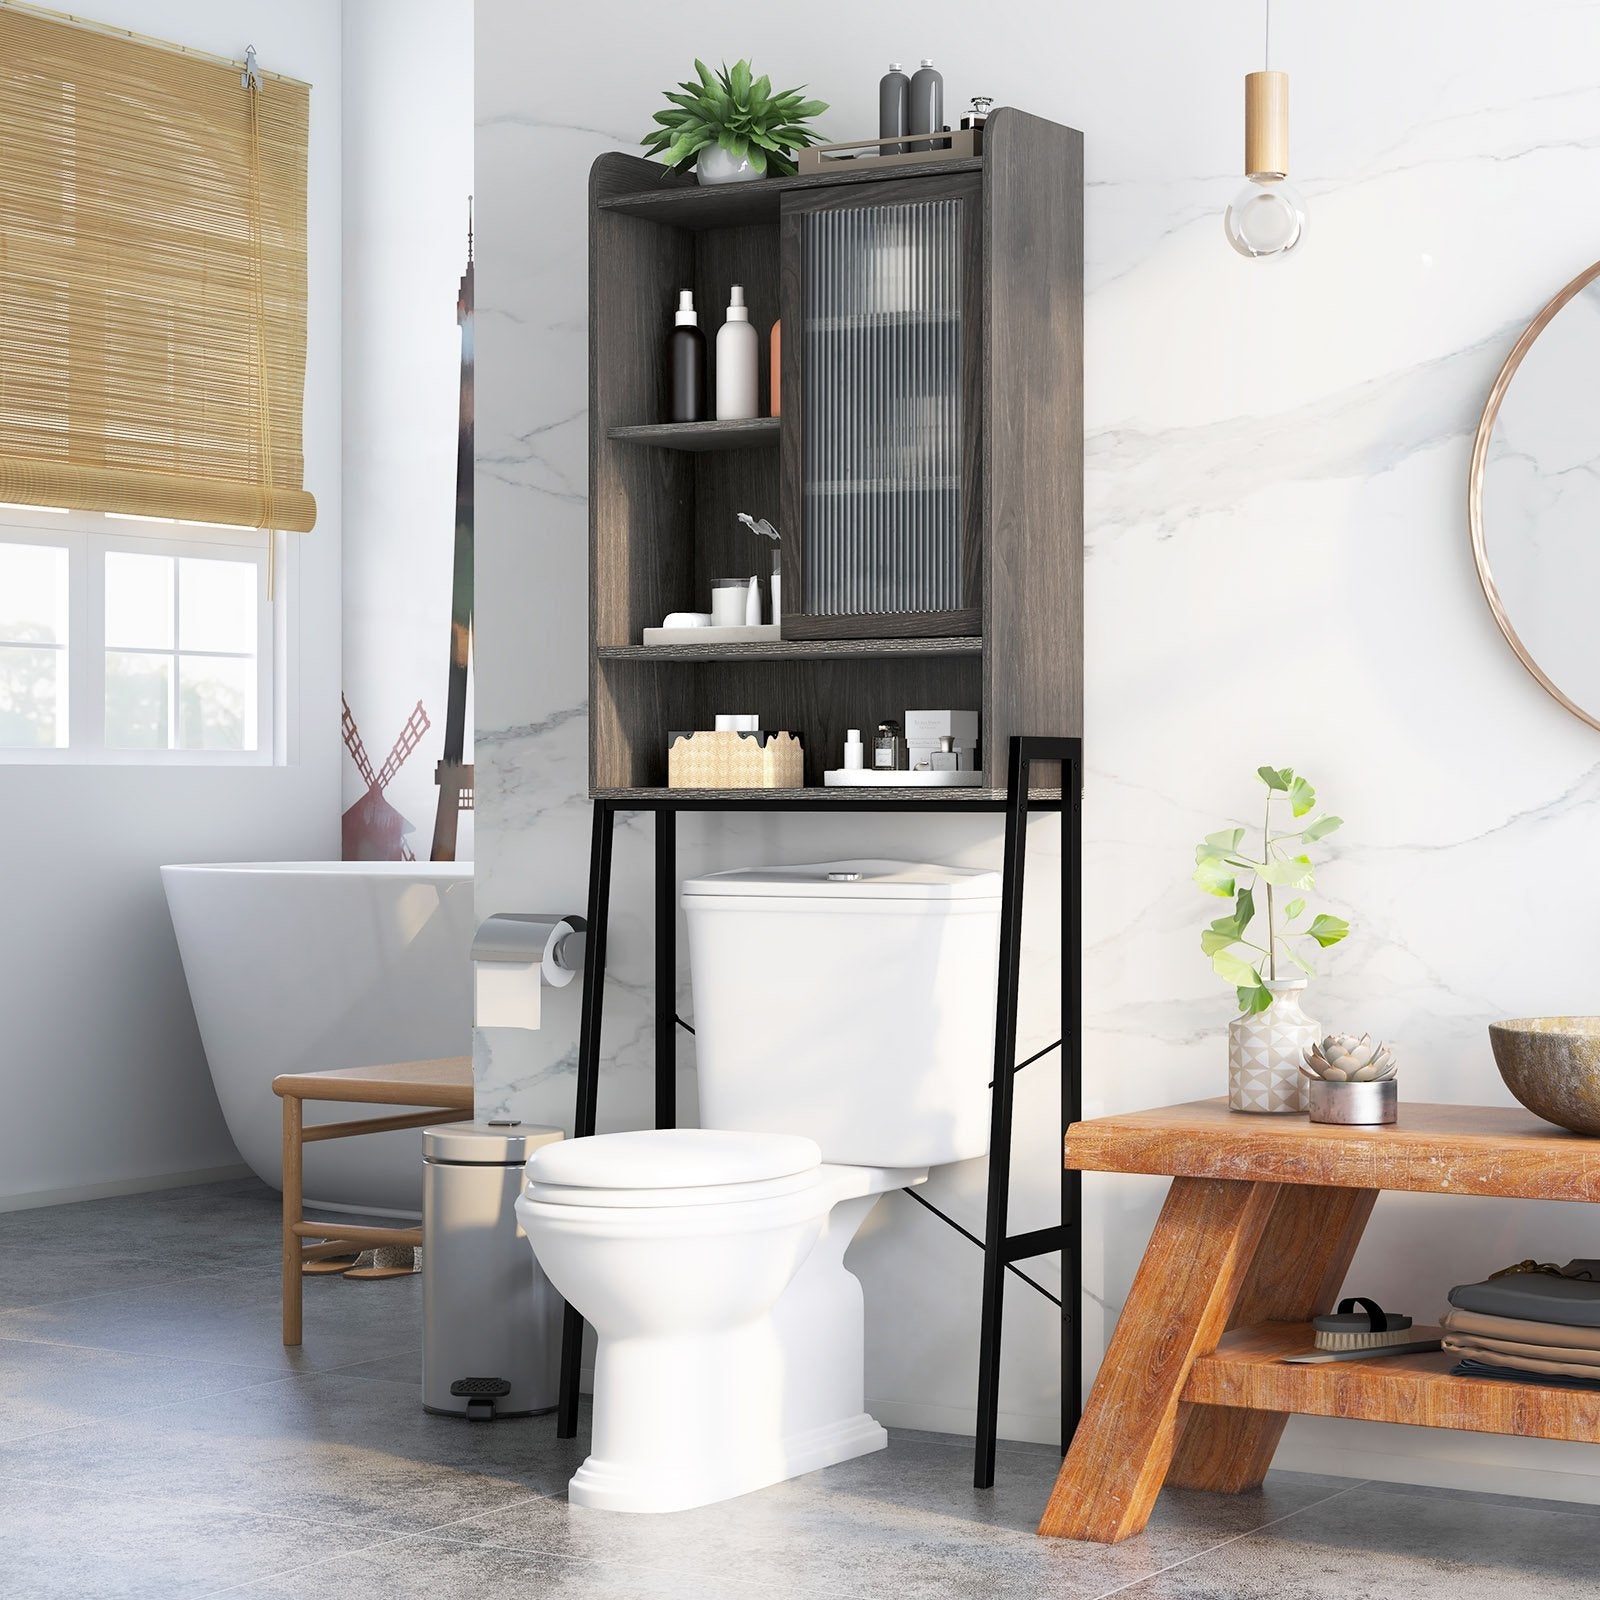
column 1268, row 967
column 731, row 128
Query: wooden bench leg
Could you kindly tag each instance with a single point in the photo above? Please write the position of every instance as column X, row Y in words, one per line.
column 1194, row 1269
column 1299, row 1268
column 293, row 1210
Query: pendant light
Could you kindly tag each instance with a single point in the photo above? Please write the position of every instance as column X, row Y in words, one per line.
column 1267, row 216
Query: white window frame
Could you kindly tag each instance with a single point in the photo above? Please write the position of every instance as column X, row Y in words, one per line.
column 88, row 537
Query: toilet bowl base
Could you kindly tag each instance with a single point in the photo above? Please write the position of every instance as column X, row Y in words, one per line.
column 621, row 1486
column 729, row 1337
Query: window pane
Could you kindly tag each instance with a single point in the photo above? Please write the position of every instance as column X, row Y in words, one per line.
column 137, row 695
column 216, row 703
column 33, row 594
column 138, row 603
column 33, row 697
column 217, row 605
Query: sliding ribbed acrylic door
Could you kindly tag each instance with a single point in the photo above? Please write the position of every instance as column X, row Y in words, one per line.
column 884, row 355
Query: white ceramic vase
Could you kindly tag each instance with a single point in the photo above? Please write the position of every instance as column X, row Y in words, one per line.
column 716, row 165
column 1265, row 1051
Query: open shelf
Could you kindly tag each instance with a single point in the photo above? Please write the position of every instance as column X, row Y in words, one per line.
column 1247, row 1372
column 745, row 433
column 820, row 796
column 796, row 650
column 685, row 203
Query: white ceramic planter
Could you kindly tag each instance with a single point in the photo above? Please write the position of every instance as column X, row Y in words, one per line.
column 716, row 165
column 1265, row 1051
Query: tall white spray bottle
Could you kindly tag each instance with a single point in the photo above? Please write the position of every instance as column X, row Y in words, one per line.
column 738, row 361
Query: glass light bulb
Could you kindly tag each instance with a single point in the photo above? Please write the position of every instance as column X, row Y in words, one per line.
column 1266, row 218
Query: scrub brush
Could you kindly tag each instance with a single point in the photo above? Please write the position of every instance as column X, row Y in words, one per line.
column 1370, row 1328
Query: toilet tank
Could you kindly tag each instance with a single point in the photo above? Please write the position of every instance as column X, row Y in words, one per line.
column 849, row 1001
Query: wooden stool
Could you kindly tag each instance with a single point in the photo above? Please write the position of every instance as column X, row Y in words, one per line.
column 444, row 1085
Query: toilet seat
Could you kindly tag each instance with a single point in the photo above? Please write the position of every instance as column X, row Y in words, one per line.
column 672, row 1168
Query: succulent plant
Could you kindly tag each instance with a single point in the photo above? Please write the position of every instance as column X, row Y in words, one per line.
column 1342, row 1058
column 738, row 112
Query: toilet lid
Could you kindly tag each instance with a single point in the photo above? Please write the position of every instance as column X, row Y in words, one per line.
column 672, row 1158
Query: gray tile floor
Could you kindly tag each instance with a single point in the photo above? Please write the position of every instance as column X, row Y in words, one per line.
column 157, row 1441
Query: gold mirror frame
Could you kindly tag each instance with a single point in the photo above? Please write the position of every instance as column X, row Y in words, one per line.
column 1480, row 456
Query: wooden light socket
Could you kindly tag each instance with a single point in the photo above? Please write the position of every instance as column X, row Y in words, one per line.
column 1266, row 124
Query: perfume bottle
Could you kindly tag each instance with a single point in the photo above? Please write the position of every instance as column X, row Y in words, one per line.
column 978, row 112
column 889, row 748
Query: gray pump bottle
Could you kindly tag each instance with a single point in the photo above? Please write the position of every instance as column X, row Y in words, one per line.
column 927, row 104
column 894, row 101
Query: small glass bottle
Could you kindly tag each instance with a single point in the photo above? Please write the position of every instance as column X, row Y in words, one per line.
column 978, row 112
column 889, row 748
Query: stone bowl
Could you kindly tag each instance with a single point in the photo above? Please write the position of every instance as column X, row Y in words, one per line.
column 1552, row 1065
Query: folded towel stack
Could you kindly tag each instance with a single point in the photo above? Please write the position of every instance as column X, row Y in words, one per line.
column 1529, row 1324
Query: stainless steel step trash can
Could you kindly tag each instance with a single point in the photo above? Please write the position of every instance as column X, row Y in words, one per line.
column 491, row 1323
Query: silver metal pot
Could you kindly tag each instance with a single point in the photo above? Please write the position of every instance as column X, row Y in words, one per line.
column 1353, row 1104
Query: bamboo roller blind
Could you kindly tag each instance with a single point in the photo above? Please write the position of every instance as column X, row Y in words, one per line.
column 152, row 280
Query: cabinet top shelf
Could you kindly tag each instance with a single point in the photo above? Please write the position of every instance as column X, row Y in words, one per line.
column 683, row 203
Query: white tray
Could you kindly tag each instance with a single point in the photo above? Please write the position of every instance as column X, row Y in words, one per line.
column 763, row 633
column 868, row 778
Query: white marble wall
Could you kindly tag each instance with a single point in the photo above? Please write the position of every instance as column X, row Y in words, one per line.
column 1278, row 571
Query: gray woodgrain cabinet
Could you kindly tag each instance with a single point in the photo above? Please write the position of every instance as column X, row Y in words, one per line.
column 926, row 468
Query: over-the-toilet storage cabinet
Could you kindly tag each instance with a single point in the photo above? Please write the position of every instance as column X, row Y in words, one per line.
column 926, row 469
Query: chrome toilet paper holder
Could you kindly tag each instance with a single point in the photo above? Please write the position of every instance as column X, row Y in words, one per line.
column 516, row 955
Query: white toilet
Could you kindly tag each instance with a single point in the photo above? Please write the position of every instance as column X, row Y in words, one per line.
column 844, row 1034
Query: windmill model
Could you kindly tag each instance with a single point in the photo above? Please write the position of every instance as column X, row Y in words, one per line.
column 454, row 772
column 372, row 829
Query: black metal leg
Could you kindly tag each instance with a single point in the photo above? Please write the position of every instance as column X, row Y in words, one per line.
column 1071, row 1091
column 1005, row 1055
column 666, row 969
column 583, row 1120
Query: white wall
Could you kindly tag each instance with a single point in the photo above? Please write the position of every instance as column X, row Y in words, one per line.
column 1278, row 571
column 407, row 176
column 105, row 1082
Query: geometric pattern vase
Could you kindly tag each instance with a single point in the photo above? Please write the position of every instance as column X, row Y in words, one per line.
column 1265, row 1051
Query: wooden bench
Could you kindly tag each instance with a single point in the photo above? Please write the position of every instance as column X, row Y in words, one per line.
column 443, row 1086
column 1257, row 1233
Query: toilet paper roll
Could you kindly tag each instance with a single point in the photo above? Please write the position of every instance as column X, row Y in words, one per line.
column 514, row 957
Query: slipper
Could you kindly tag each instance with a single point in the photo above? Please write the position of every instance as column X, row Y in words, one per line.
column 330, row 1255
column 387, row 1261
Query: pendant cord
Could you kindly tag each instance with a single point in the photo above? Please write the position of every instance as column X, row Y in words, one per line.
column 1266, row 42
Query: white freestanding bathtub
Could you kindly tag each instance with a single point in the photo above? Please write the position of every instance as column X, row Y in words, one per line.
column 299, row 966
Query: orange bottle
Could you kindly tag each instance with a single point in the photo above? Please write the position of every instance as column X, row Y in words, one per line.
column 775, row 365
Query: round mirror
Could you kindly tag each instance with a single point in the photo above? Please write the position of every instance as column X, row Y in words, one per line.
column 1534, row 497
